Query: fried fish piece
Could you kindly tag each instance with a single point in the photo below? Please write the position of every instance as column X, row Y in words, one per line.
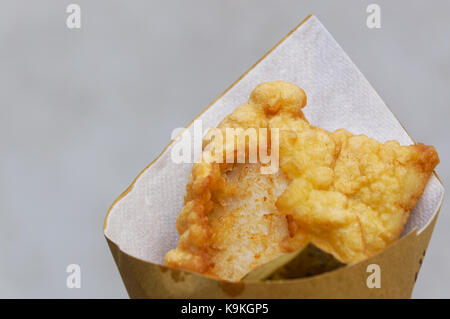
column 229, row 223
column 347, row 194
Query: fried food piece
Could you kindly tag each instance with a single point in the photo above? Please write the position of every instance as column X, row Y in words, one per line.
column 352, row 196
column 347, row 194
column 246, row 228
column 230, row 225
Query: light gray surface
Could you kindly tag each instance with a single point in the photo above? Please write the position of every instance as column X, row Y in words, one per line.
column 84, row 111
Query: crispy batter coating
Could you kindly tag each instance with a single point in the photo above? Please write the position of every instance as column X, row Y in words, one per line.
column 347, row 194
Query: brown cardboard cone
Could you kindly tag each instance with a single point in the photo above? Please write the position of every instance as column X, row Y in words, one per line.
column 398, row 265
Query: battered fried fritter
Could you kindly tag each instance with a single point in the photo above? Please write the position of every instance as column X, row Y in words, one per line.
column 347, row 194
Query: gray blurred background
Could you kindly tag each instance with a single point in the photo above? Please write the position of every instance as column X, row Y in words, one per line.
column 82, row 112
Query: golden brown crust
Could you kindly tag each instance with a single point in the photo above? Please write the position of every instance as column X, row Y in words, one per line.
column 348, row 194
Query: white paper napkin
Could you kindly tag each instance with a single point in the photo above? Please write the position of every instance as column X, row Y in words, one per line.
column 143, row 222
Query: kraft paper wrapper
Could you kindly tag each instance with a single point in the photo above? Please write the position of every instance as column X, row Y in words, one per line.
column 140, row 225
